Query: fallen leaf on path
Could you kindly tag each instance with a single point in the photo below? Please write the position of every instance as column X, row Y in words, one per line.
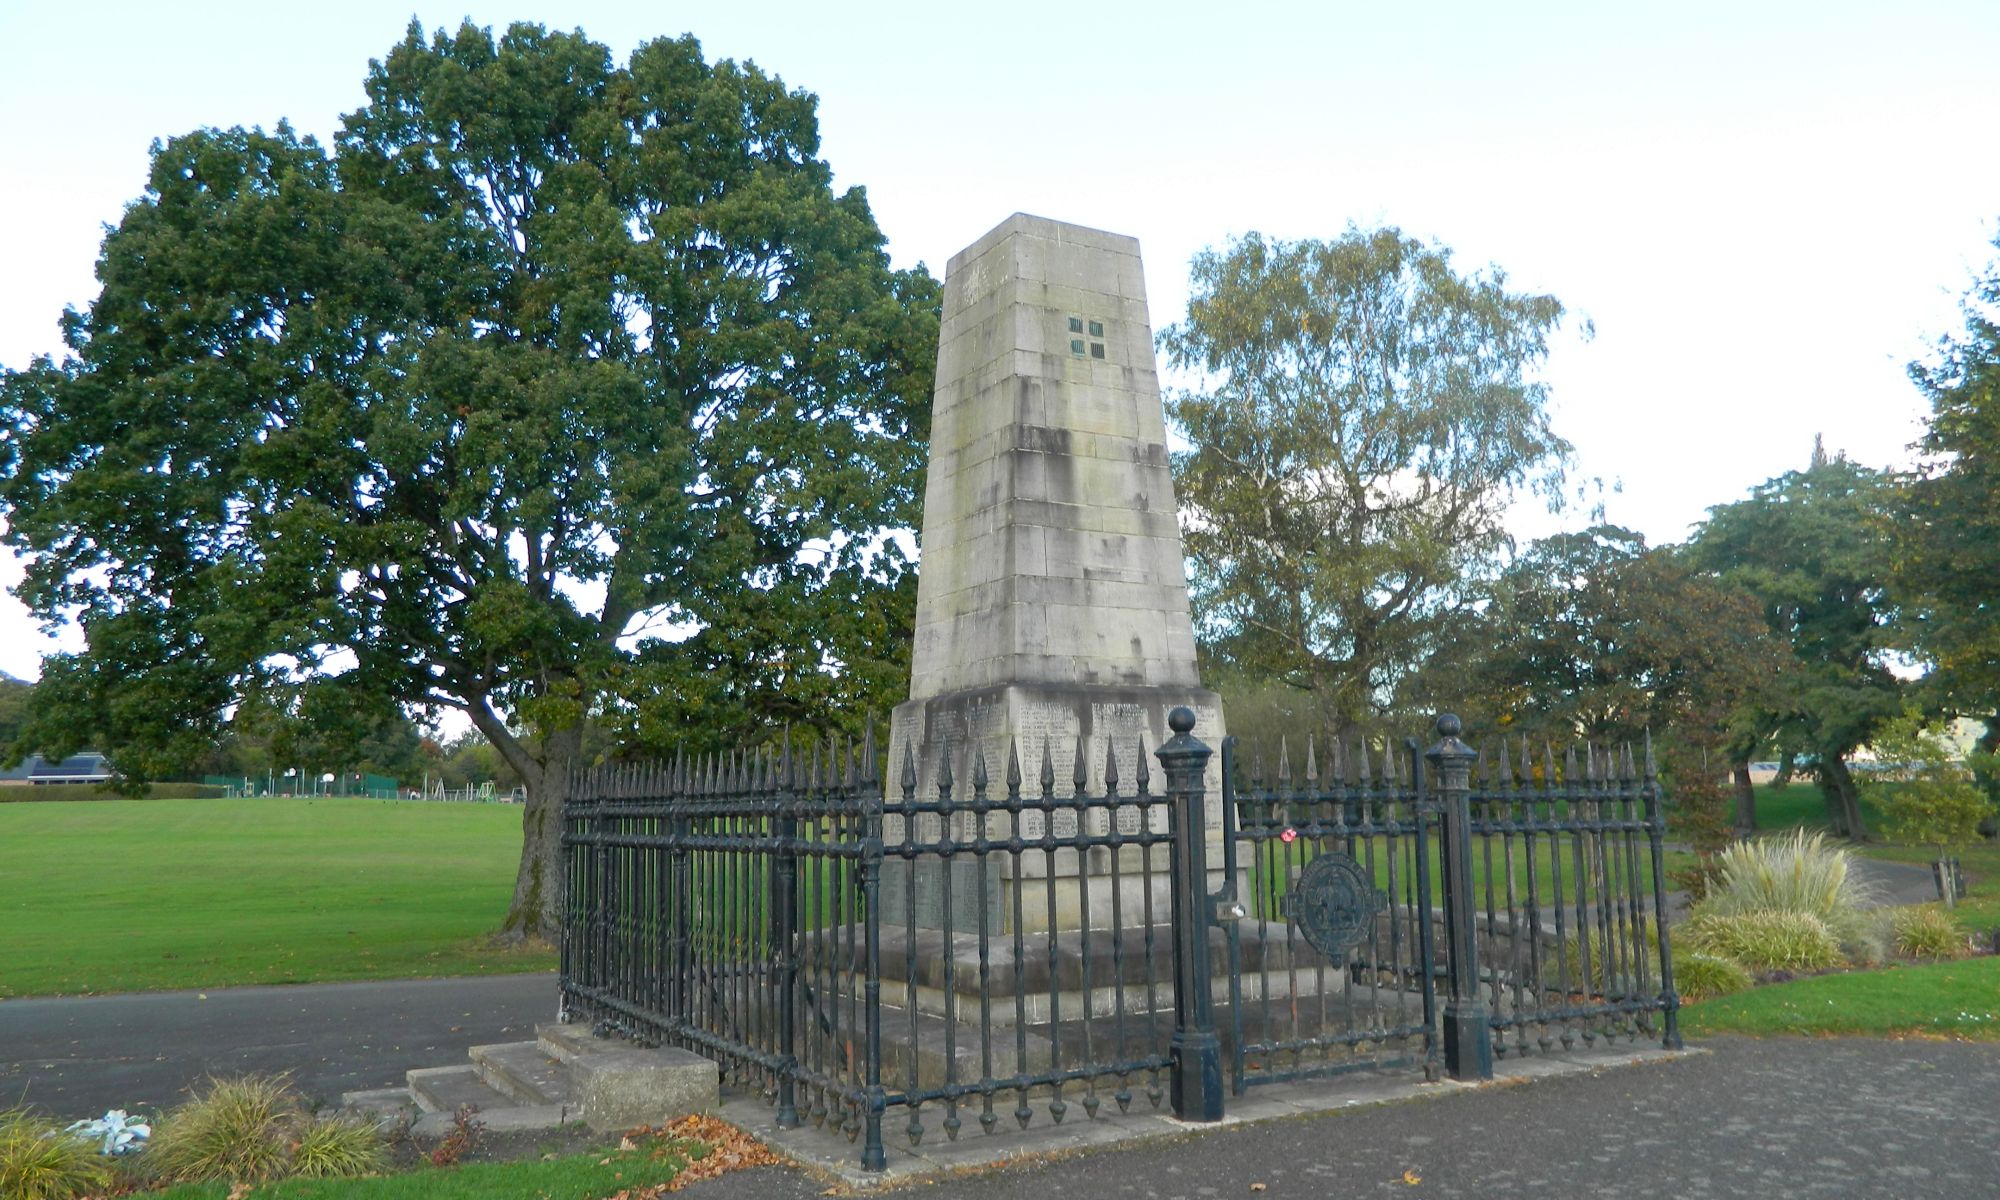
column 1412, row 1178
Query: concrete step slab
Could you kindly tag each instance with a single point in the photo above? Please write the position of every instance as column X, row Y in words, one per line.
column 621, row 1089
column 447, row 1089
column 564, row 1042
column 388, row 1108
column 523, row 1072
column 616, row 1085
column 377, row 1100
column 498, row 1120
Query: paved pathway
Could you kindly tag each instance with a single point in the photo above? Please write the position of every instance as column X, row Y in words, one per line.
column 1895, row 882
column 78, row 1057
column 1777, row 1117
column 1782, row 1117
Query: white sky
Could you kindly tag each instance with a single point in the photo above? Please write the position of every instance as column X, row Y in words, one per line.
column 1766, row 208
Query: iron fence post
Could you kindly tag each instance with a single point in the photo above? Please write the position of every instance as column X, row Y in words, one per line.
column 874, row 1156
column 597, row 956
column 1196, row 1086
column 571, row 902
column 784, row 936
column 681, row 910
column 1423, row 817
column 1468, row 1037
column 1656, row 831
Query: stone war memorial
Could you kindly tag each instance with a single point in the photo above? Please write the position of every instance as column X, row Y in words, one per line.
column 1052, row 603
column 1054, row 894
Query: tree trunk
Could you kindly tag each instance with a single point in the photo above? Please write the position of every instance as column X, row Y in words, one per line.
column 1787, row 765
column 1847, row 797
column 535, row 913
column 1746, row 801
column 1829, row 794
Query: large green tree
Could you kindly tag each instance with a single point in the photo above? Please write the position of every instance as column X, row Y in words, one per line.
column 1948, row 534
column 553, row 389
column 1366, row 416
column 1595, row 634
column 17, row 700
column 1812, row 547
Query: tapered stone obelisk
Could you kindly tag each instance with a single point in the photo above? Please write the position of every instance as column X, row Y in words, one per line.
column 1052, row 602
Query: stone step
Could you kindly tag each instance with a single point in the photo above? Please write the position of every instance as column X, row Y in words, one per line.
column 620, row 1089
column 523, row 1071
column 447, row 1089
column 377, row 1100
column 498, row 1120
column 388, row 1108
column 618, row 1085
column 564, row 1042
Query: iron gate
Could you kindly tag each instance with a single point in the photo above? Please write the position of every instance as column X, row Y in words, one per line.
column 1328, row 911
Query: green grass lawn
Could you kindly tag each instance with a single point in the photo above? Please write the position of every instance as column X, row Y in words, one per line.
column 1949, row 999
column 111, row 896
column 1275, row 862
column 585, row 1176
column 1800, row 805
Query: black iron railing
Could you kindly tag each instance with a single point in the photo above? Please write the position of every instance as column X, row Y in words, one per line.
column 1012, row 944
column 1571, row 900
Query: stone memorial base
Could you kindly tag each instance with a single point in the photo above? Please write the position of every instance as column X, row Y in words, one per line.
column 1044, row 983
column 940, row 1032
column 1074, row 730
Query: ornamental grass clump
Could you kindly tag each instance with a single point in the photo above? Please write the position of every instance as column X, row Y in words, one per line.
column 1767, row 940
column 337, row 1148
column 1801, row 874
column 1798, row 873
column 255, row 1129
column 1700, row 976
column 41, row 1161
column 1929, row 931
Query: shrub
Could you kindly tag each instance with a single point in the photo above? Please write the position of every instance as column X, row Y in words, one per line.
column 26, row 793
column 38, row 1161
column 1699, row 976
column 1767, row 940
column 254, row 1129
column 1927, row 794
column 1928, row 931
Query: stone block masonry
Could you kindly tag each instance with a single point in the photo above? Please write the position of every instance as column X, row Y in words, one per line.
column 1052, row 603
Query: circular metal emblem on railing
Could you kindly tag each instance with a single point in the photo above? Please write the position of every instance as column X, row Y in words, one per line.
column 1332, row 904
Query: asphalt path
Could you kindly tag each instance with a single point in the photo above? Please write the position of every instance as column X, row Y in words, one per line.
column 1856, row 1119
column 1772, row 1117
column 78, row 1057
column 1894, row 883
